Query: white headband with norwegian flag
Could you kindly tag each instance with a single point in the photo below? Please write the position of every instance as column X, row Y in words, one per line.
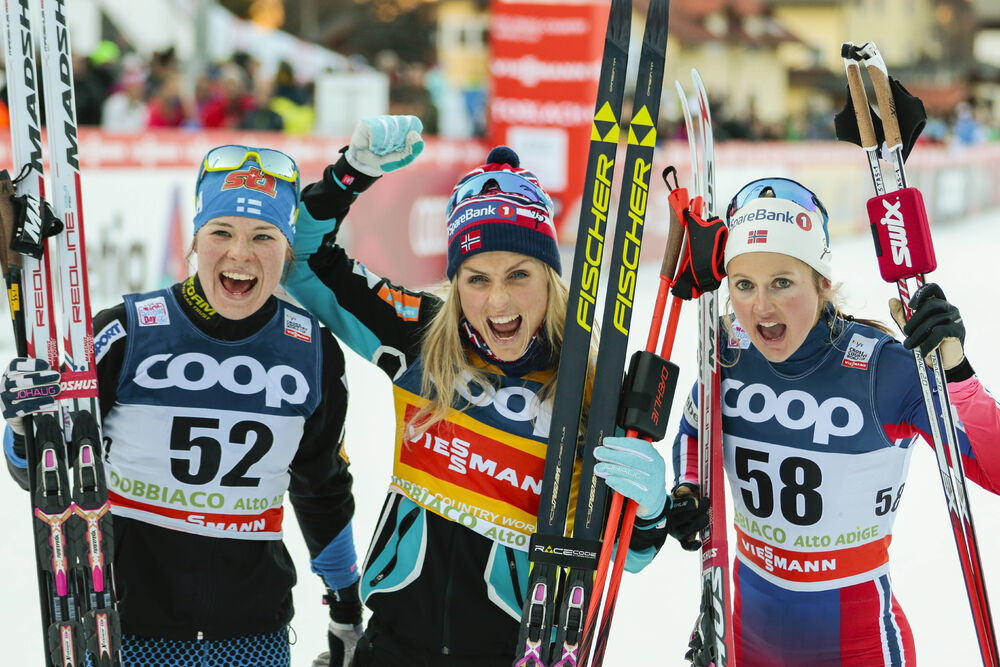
column 775, row 225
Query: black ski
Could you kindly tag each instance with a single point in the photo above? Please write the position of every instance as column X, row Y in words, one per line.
column 534, row 639
column 571, row 643
column 550, row 550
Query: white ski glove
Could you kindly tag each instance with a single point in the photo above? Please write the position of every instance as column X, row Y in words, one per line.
column 345, row 628
column 382, row 144
column 28, row 386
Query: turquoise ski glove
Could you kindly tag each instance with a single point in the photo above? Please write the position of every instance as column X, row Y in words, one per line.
column 633, row 468
column 382, row 144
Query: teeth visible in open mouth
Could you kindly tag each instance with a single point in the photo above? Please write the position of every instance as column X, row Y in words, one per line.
column 769, row 324
column 505, row 319
column 235, row 275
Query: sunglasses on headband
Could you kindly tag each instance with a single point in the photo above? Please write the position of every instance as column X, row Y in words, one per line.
column 504, row 182
column 779, row 188
column 233, row 156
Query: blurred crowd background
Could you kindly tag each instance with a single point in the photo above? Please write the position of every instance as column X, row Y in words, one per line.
column 772, row 66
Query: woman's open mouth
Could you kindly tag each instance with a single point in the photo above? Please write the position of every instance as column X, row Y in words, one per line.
column 505, row 327
column 771, row 331
column 237, row 284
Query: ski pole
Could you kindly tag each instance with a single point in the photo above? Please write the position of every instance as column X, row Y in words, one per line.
column 912, row 220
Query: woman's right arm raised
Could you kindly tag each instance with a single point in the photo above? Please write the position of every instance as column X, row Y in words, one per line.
column 365, row 311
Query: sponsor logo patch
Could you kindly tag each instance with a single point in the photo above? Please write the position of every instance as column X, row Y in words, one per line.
column 298, row 326
column 152, row 312
column 104, row 339
column 740, row 338
column 859, row 351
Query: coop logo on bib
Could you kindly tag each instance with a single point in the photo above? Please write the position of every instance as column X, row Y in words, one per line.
column 859, row 352
column 193, row 371
column 758, row 403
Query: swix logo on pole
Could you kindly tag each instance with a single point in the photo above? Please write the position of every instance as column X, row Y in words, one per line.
column 893, row 220
column 902, row 234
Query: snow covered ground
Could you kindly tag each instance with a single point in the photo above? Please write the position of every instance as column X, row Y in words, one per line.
column 657, row 607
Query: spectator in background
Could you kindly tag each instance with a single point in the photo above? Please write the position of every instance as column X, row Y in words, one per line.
column 162, row 66
column 291, row 101
column 286, row 85
column 125, row 110
column 167, row 106
column 262, row 116
column 228, row 101
column 93, row 78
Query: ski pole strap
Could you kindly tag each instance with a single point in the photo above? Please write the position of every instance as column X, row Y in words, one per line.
column 703, row 266
column 33, row 223
column 648, row 391
column 909, row 110
column 678, row 200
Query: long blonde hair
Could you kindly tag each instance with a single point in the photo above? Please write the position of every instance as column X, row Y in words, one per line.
column 445, row 357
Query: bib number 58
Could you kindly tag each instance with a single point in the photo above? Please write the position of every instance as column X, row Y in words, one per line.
column 800, row 502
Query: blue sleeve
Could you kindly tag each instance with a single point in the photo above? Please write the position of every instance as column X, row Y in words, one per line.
column 903, row 414
column 16, row 465
column 337, row 564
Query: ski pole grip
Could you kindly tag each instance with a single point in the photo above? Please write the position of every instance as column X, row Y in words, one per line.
column 678, row 200
column 862, row 112
column 901, row 234
column 886, row 105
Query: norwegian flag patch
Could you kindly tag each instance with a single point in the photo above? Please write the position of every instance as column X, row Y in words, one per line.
column 757, row 236
column 471, row 241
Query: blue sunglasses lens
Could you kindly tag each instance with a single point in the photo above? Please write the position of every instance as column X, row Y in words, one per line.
column 780, row 188
column 503, row 182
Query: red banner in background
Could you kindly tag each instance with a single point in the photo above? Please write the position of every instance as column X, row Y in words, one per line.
column 545, row 61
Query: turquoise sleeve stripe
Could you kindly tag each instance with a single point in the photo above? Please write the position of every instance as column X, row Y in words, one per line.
column 317, row 298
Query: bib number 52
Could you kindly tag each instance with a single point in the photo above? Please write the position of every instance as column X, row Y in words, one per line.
column 205, row 467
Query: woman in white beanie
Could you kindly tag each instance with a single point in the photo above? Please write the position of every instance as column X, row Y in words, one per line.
column 819, row 412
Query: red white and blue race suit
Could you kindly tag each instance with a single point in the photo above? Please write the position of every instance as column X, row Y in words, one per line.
column 817, row 450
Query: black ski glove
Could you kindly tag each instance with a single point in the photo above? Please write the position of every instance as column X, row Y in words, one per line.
column 933, row 322
column 703, row 266
column 345, row 627
column 687, row 516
